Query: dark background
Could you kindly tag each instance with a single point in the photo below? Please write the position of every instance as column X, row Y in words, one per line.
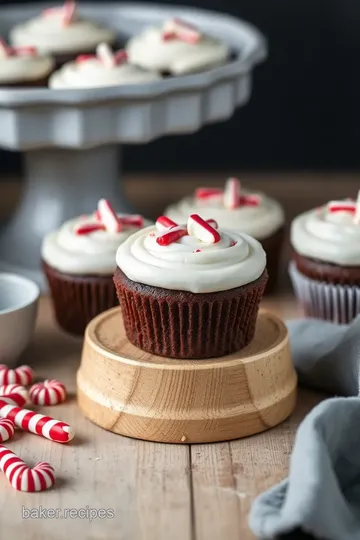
column 304, row 112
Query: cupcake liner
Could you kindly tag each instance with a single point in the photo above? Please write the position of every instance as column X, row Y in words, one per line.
column 78, row 299
column 37, row 83
column 180, row 324
column 336, row 303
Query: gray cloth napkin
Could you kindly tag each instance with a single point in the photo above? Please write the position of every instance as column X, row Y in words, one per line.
column 321, row 496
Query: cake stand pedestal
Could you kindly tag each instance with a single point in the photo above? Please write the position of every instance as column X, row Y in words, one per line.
column 70, row 137
column 130, row 392
column 59, row 184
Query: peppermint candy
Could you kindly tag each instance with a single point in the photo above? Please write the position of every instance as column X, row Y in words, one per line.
column 48, row 393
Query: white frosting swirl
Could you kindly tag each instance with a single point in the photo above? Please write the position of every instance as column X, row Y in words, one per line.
column 90, row 254
column 49, row 35
column 258, row 221
column 330, row 237
column 92, row 73
column 217, row 267
column 23, row 68
column 150, row 51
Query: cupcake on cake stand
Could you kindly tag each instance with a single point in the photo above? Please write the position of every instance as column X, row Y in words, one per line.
column 187, row 358
column 71, row 139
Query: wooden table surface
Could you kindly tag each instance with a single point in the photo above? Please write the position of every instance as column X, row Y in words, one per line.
column 148, row 491
column 151, row 491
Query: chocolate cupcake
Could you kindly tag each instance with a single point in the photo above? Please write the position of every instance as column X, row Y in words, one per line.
column 176, row 48
column 106, row 68
column 60, row 31
column 79, row 260
column 23, row 67
column 190, row 291
column 237, row 209
column 325, row 267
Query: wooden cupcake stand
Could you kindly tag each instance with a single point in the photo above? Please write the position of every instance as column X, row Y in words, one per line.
column 130, row 392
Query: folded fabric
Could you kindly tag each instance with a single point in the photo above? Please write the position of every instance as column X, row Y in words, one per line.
column 326, row 355
column 321, row 496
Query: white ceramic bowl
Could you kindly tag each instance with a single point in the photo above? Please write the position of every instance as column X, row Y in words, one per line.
column 18, row 308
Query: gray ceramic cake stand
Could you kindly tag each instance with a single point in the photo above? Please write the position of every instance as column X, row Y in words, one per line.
column 71, row 139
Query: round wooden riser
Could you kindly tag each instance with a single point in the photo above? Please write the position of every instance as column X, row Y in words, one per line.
column 133, row 393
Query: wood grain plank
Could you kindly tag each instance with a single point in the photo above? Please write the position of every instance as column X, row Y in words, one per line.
column 217, row 512
column 146, row 486
column 228, row 476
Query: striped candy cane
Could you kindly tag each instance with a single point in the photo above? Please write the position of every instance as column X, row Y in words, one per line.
column 23, row 375
column 202, row 230
column 232, row 193
column 48, row 393
column 163, row 223
column 14, row 399
column 67, row 12
column 178, row 29
column 7, row 429
column 45, row 426
column 22, row 477
column 108, row 216
column 17, row 394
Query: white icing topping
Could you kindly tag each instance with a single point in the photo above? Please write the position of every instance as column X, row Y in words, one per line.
column 258, row 221
column 88, row 254
column 150, row 51
column 22, row 68
column 218, row 266
column 48, row 34
column 92, row 73
column 330, row 237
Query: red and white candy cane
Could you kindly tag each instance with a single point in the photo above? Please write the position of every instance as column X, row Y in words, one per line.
column 108, row 216
column 14, row 394
column 16, row 51
column 108, row 58
column 178, row 29
column 23, row 375
column 172, row 235
column 348, row 206
column 203, row 193
column 18, row 389
column 212, row 223
column 202, row 230
column 171, row 231
column 48, row 393
column 232, row 193
column 7, row 429
column 22, row 477
column 342, row 206
column 132, row 220
column 45, row 426
column 106, row 219
column 67, row 12
column 88, row 228
column 163, row 223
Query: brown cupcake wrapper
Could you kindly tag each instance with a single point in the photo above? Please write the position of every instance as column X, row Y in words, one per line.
column 179, row 324
column 328, row 301
column 37, row 83
column 273, row 249
column 78, row 299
